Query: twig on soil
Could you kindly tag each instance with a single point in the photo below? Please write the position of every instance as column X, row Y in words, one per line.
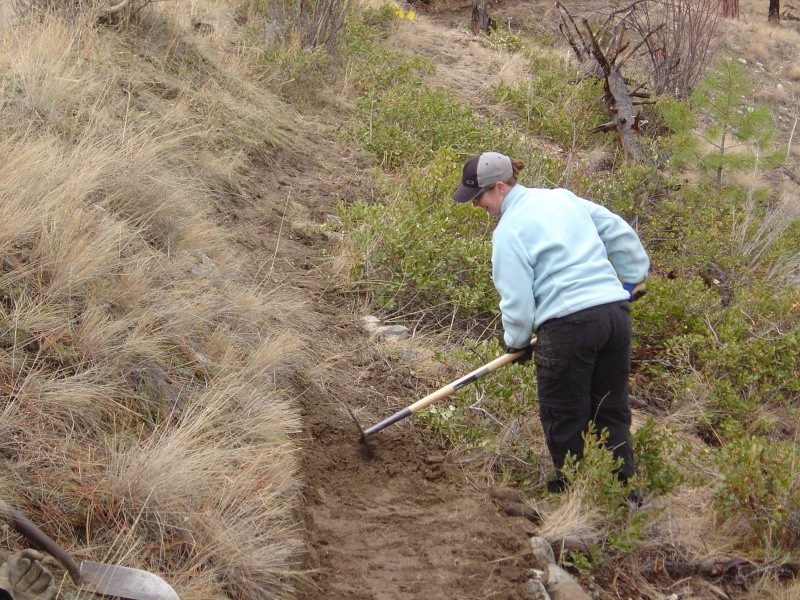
column 280, row 232
column 478, row 408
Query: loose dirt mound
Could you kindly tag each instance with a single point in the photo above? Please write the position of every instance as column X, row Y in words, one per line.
column 402, row 522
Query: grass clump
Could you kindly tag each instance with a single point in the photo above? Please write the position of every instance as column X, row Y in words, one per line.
column 137, row 361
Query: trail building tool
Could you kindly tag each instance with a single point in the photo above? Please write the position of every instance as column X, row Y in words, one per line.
column 108, row 580
column 442, row 392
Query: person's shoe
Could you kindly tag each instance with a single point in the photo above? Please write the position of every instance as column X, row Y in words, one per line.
column 634, row 499
column 556, row 485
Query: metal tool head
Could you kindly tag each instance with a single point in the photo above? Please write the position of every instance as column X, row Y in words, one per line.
column 124, row 582
column 364, row 448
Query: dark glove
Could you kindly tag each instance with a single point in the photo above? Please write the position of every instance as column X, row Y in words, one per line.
column 526, row 356
column 636, row 290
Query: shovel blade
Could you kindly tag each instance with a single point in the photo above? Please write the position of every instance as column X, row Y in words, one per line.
column 124, row 582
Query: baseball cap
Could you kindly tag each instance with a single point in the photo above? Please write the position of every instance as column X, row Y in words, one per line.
column 481, row 171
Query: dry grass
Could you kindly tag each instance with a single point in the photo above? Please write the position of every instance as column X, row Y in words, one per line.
column 573, row 519
column 138, row 367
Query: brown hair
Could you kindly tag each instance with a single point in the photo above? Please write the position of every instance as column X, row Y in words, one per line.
column 518, row 166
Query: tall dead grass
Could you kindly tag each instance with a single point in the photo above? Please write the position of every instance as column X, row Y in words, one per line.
column 141, row 417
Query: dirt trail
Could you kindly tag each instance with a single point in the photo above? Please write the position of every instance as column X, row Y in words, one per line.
column 407, row 521
column 404, row 521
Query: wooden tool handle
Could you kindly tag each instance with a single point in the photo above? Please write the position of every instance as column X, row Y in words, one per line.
column 37, row 537
column 445, row 391
column 456, row 385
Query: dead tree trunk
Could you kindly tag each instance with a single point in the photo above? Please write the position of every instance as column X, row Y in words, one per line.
column 607, row 63
column 730, row 8
column 774, row 14
column 481, row 21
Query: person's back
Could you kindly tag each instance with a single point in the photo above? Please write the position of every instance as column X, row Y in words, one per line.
column 553, row 230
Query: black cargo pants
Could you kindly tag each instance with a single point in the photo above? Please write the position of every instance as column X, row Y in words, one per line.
column 582, row 367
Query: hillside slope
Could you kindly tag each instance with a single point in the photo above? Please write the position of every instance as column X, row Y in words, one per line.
column 245, row 290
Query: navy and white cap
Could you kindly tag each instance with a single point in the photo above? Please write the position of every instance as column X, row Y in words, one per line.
column 480, row 172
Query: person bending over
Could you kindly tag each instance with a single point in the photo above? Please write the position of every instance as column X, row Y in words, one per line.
column 565, row 268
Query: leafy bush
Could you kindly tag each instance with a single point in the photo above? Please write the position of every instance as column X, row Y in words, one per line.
column 655, row 449
column 555, row 102
column 421, row 245
column 595, row 475
column 407, row 122
column 497, row 416
column 759, row 485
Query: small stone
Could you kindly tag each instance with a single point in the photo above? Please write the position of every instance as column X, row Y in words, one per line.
column 567, row 590
column 539, row 575
column 537, row 590
column 392, row 333
column 507, row 494
column 542, row 551
column 370, row 324
column 556, row 574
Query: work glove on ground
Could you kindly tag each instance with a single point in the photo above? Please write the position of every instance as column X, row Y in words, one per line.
column 527, row 350
column 24, row 577
column 636, row 290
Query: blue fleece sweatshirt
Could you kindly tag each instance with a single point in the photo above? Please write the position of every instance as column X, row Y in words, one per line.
column 554, row 254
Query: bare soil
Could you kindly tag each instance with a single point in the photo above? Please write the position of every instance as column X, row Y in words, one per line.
column 397, row 518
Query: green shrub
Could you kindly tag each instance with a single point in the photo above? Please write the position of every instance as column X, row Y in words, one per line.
column 596, row 470
column 671, row 316
column 373, row 67
column 555, row 102
column 420, row 245
column 496, row 416
column 407, row 123
column 758, row 484
column 656, row 449
column 595, row 474
column 623, row 189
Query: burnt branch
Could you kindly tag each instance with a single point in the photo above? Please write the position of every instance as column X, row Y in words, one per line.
column 609, row 51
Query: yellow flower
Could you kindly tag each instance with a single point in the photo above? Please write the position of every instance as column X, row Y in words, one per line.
column 411, row 14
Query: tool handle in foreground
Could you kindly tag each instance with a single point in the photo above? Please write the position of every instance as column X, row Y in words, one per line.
column 445, row 391
column 36, row 536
